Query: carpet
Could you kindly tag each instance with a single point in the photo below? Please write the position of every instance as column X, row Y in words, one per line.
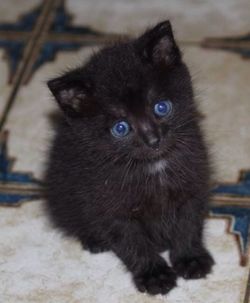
column 38, row 40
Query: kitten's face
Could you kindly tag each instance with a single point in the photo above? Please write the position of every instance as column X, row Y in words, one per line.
column 132, row 100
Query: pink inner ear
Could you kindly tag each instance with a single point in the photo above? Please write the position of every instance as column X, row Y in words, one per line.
column 66, row 95
column 163, row 50
column 72, row 98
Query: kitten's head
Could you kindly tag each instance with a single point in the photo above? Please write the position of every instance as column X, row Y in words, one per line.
column 131, row 100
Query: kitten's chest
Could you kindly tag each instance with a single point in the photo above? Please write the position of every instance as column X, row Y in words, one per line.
column 152, row 199
column 142, row 193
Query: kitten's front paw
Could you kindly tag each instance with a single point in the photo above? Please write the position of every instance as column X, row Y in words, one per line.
column 94, row 247
column 194, row 267
column 157, row 280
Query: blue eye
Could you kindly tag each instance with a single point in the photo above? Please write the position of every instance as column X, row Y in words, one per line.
column 120, row 129
column 163, row 108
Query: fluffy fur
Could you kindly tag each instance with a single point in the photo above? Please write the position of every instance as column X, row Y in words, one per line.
column 127, row 194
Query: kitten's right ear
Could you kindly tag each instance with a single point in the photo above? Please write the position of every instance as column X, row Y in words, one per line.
column 72, row 95
column 157, row 45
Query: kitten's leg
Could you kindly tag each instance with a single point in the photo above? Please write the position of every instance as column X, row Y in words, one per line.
column 94, row 245
column 150, row 271
column 189, row 257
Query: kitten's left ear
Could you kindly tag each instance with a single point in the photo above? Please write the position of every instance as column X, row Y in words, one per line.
column 158, row 46
column 72, row 94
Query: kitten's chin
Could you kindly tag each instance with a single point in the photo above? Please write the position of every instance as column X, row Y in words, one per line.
column 157, row 166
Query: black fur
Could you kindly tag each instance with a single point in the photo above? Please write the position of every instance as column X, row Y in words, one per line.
column 126, row 195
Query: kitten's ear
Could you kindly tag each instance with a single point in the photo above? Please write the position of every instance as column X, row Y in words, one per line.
column 158, row 46
column 72, row 95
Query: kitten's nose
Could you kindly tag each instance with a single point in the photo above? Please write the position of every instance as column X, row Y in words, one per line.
column 153, row 141
column 150, row 134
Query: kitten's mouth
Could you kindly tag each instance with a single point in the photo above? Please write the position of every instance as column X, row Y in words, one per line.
column 148, row 155
column 156, row 158
column 153, row 157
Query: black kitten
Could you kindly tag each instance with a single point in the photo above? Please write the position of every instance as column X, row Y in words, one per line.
column 128, row 168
